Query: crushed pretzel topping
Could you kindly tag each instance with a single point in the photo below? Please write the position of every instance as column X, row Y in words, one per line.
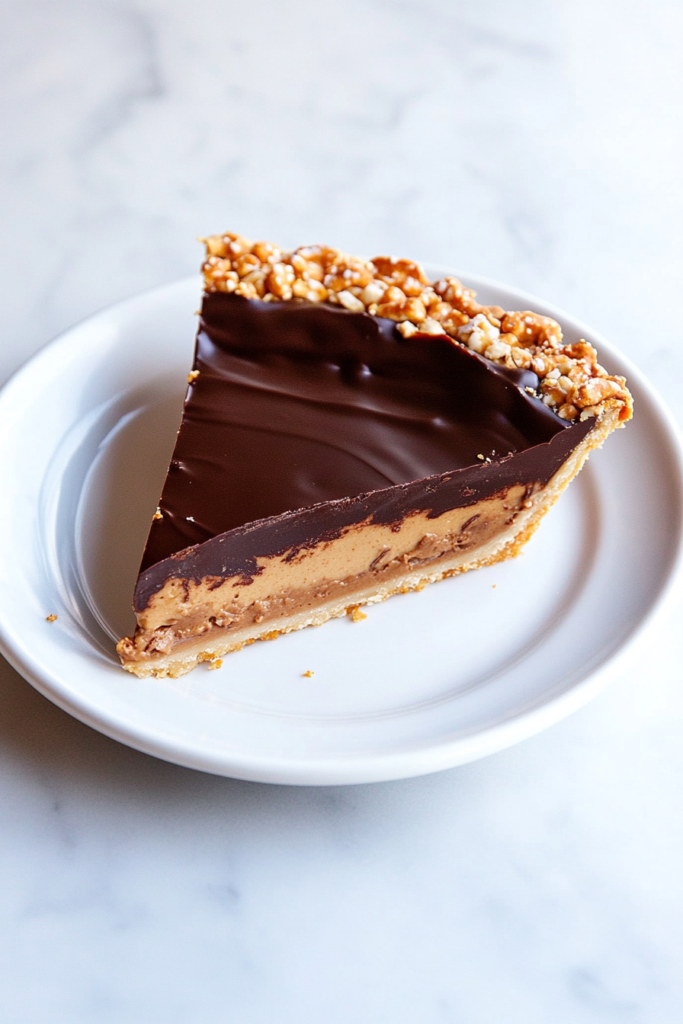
column 572, row 382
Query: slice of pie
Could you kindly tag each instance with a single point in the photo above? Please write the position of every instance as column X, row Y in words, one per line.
column 351, row 431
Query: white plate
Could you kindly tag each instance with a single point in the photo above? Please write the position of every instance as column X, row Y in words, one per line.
column 428, row 681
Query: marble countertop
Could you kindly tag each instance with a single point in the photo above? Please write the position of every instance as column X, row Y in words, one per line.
column 537, row 143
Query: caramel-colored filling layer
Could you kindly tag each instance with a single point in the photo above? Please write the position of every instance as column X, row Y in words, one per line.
column 364, row 553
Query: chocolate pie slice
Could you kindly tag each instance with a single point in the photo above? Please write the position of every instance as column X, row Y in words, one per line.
column 351, row 431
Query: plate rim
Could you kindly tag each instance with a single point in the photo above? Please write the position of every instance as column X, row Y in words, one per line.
column 406, row 762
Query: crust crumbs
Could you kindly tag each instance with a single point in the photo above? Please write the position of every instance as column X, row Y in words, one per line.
column 573, row 383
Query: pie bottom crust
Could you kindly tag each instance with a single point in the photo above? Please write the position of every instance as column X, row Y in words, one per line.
column 293, row 594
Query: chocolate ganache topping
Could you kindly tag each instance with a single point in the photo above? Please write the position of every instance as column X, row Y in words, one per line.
column 297, row 404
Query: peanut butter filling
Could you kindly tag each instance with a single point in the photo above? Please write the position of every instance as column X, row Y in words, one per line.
column 363, row 554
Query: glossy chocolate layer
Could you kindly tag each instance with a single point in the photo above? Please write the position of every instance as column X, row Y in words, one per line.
column 297, row 405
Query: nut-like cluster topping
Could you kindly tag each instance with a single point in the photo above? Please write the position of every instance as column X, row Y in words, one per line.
column 572, row 382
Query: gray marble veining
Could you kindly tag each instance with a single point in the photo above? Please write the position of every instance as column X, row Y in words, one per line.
column 536, row 143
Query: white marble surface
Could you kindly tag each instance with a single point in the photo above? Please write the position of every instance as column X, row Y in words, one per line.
column 535, row 142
